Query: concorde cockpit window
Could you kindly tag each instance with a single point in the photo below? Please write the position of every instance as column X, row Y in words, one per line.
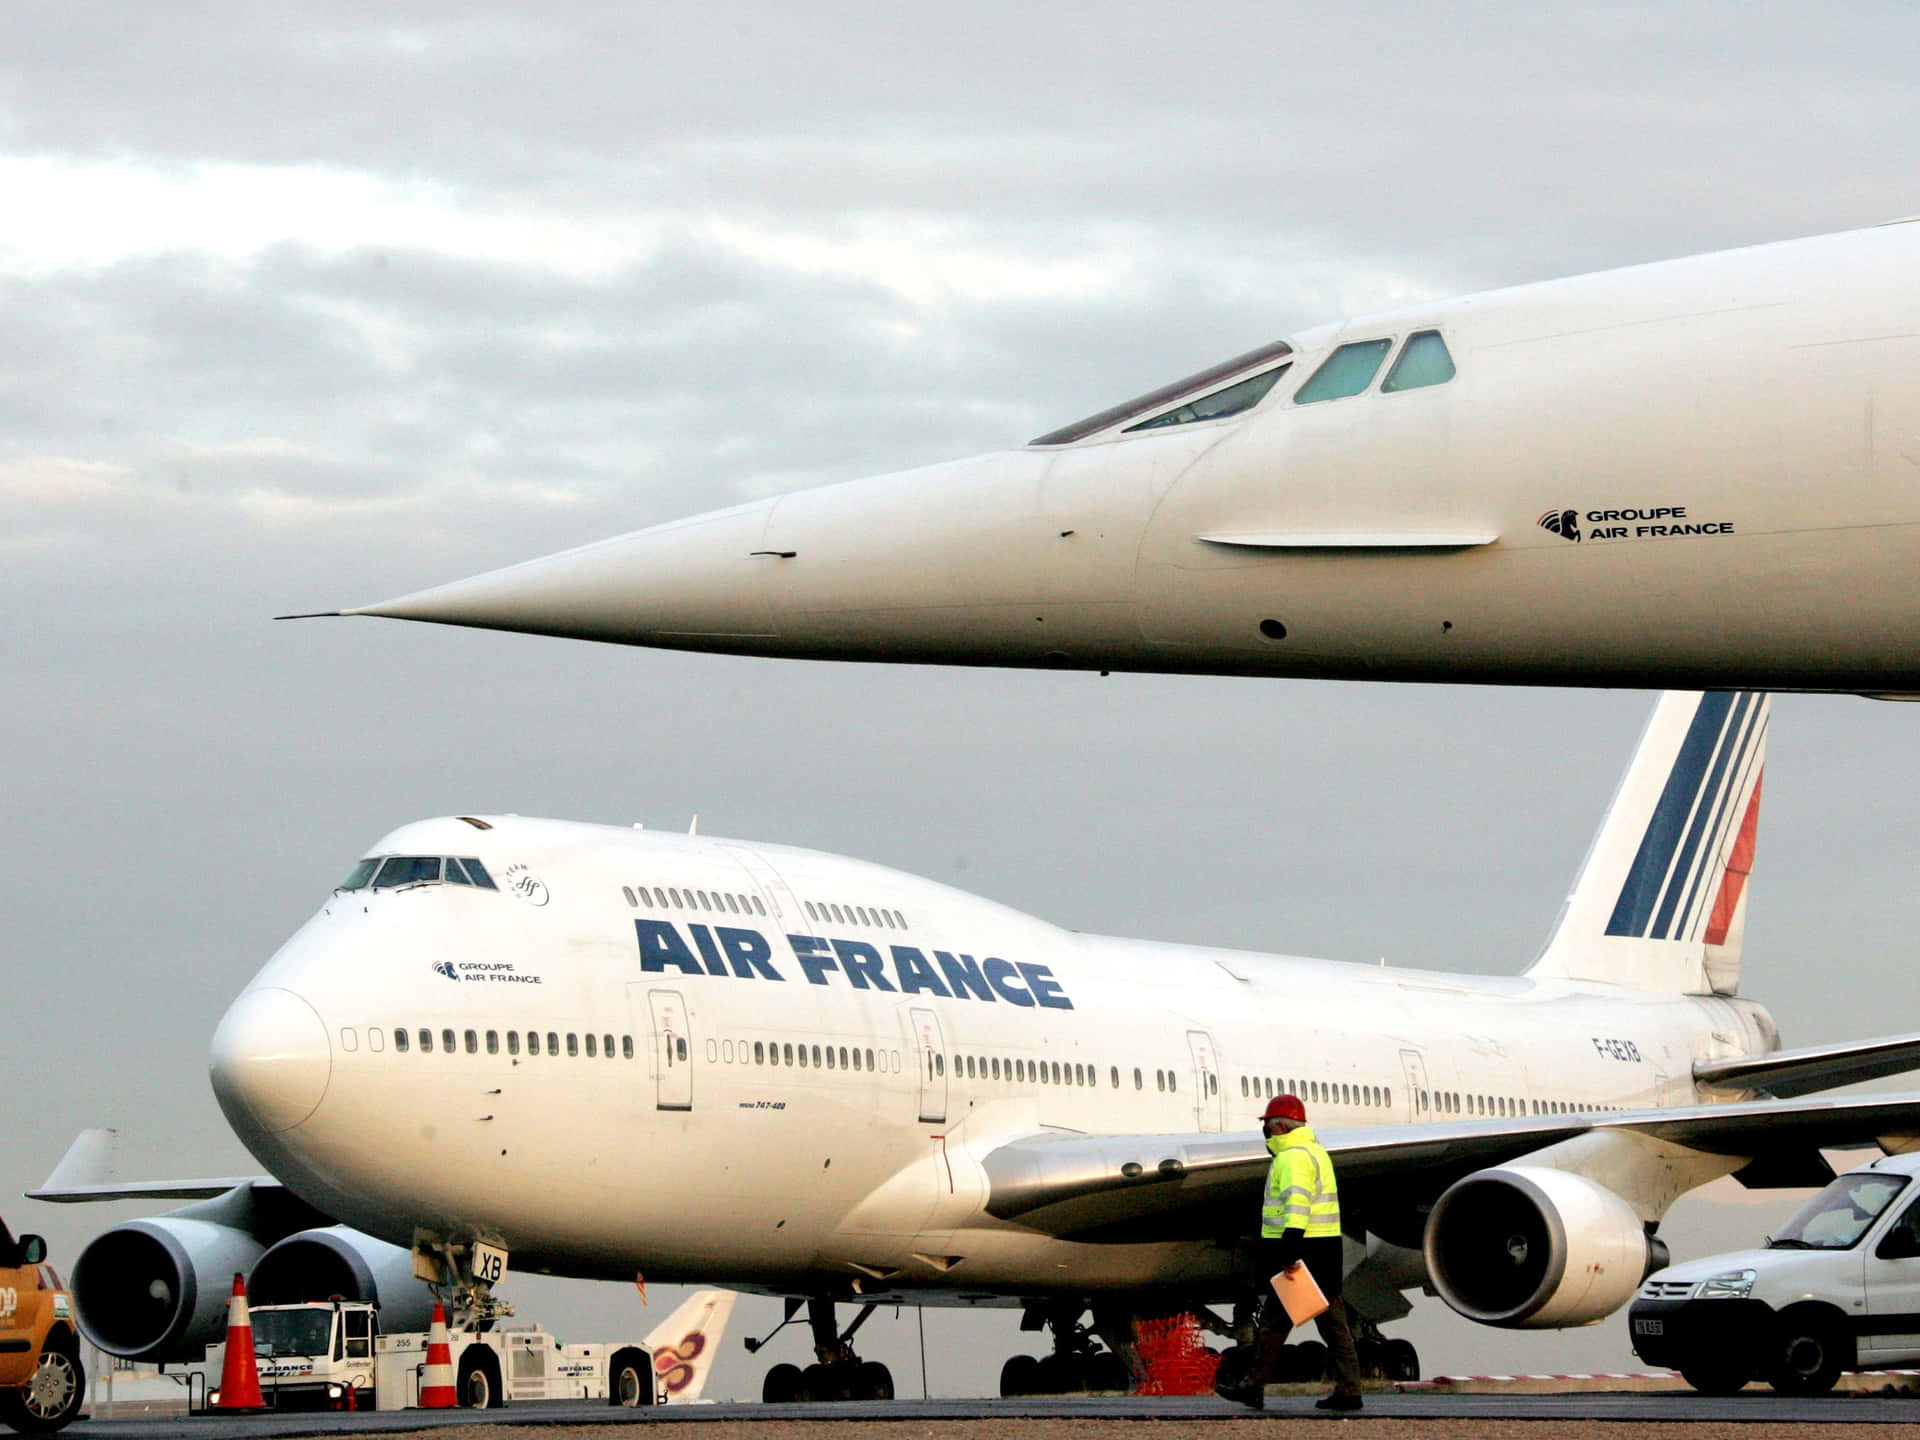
column 1839, row 1215
column 1423, row 361
column 1241, row 395
column 390, row 872
column 1347, row 371
column 1203, row 384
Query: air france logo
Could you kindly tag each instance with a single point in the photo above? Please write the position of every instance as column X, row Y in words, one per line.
column 1564, row 523
column 524, row 883
column 904, row 970
column 445, row 967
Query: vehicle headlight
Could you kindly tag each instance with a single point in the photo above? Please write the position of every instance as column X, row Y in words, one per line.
column 334, row 1392
column 1727, row 1285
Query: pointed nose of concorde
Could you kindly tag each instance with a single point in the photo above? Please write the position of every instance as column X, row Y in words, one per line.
column 270, row 1062
column 825, row 572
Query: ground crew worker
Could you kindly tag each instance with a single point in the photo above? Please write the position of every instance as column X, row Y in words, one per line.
column 1299, row 1222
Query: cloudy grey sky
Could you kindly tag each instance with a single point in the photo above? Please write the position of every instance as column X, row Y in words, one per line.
column 310, row 305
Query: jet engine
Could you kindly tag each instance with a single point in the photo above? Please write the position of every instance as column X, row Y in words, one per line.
column 1528, row 1247
column 320, row 1264
column 157, row 1290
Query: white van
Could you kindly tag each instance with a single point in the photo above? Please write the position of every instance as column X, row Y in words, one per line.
column 1837, row 1289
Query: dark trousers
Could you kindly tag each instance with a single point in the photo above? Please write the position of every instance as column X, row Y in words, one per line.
column 1323, row 1260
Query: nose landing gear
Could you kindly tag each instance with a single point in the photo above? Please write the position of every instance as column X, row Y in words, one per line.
column 837, row 1372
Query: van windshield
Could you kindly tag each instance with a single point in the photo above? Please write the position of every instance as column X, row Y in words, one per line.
column 1839, row 1215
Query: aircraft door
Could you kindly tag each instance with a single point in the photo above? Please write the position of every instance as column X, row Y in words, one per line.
column 1415, row 1066
column 1207, row 1099
column 929, row 1050
column 672, row 1050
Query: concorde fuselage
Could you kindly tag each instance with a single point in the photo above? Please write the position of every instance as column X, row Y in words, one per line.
column 933, row 1025
column 1699, row 472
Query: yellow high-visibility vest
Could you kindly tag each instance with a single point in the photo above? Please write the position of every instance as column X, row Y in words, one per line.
column 1301, row 1191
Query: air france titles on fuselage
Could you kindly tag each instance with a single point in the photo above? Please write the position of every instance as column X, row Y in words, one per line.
column 746, row 955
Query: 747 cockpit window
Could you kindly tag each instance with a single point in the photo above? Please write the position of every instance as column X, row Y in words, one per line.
column 389, row 872
column 1202, row 385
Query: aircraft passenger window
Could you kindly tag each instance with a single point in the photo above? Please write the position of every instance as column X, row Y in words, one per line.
column 591, row 1047
column 660, row 897
column 493, row 1042
column 349, row 1039
column 399, row 1039
column 456, row 875
column 787, row 1050
column 810, row 912
column 758, row 908
column 627, row 891
column 1138, row 1082
column 426, row 1042
column 1423, row 361
column 732, row 904
column 1243, row 1087
column 626, row 1048
column 816, row 1057
column 447, row 1042
column 513, row 1042
column 759, row 1053
column 1173, row 1082
column 1240, row 396
column 887, row 916
column 376, row 1039
column 553, row 1042
column 473, row 1043
column 478, row 873
column 606, row 1047
column 680, row 1046
column 1213, row 1084
column 1386, row 1096
column 1160, row 1081
column 901, row 918
column 359, row 876
column 1347, row 371
column 870, row 1059
column 573, row 1044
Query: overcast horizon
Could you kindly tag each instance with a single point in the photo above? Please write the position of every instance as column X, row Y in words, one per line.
column 318, row 305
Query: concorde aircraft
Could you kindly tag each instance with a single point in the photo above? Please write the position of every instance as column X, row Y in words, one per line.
column 1699, row 472
column 603, row 1052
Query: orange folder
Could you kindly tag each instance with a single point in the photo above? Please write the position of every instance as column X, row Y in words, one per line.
column 1299, row 1292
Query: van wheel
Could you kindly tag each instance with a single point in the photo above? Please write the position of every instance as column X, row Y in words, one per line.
column 53, row 1395
column 629, row 1380
column 1811, row 1355
column 1716, row 1377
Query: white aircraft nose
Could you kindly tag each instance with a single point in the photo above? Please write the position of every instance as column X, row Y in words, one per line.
column 270, row 1061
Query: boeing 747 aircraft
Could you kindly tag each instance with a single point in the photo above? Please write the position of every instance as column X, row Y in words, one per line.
column 1701, row 472
column 516, row 1043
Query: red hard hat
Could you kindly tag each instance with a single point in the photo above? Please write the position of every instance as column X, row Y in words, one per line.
column 1285, row 1107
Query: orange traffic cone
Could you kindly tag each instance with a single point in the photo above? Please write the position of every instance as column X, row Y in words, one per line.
column 436, row 1386
column 239, row 1371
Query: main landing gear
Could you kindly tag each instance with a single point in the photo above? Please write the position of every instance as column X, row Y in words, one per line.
column 1076, row 1365
column 1304, row 1362
column 837, row 1373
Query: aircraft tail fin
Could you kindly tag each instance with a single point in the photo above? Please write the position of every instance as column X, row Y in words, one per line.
column 685, row 1344
column 1661, row 900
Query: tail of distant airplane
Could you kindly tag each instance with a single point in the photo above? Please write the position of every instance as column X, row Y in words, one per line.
column 1661, row 901
column 685, row 1343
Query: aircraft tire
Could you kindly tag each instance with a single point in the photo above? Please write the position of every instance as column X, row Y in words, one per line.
column 1019, row 1376
column 1059, row 1375
column 1402, row 1360
column 782, row 1385
column 630, row 1380
column 874, row 1381
column 1107, row 1371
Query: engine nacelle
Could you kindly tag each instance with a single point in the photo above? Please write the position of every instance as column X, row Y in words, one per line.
column 1528, row 1247
column 320, row 1264
column 157, row 1290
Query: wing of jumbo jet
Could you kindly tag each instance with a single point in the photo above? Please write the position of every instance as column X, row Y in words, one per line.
column 90, row 1171
column 1125, row 1187
column 1787, row 1073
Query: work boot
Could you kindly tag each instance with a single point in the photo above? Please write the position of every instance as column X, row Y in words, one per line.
column 1338, row 1401
column 1254, row 1397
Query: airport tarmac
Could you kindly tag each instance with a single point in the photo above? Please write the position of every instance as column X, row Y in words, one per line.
column 1761, row 1415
